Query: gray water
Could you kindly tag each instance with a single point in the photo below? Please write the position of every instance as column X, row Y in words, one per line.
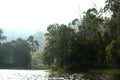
column 46, row 75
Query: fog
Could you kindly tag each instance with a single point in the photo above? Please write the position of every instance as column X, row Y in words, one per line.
column 26, row 17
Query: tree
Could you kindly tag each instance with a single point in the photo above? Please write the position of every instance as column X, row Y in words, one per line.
column 113, row 54
column 33, row 45
column 1, row 48
column 113, row 24
column 113, row 6
column 92, row 24
column 63, row 35
column 50, row 49
column 1, row 36
column 21, row 53
column 93, row 30
column 56, row 49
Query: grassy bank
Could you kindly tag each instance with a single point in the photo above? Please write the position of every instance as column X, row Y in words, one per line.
column 106, row 71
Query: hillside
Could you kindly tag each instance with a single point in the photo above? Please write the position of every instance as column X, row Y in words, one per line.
column 40, row 38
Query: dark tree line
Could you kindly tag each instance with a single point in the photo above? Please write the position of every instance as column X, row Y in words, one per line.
column 17, row 53
column 95, row 44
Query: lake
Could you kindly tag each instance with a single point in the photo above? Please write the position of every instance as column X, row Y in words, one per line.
column 46, row 75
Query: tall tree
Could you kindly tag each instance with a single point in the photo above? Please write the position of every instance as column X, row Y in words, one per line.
column 113, row 54
column 113, row 6
column 114, row 23
column 1, row 35
column 33, row 45
column 92, row 24
column 56, row 49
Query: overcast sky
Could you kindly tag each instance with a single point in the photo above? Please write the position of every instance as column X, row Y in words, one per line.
column 36, row 15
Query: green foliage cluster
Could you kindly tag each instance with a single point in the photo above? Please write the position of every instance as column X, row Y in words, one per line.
column 15, row 54
column 94, row 44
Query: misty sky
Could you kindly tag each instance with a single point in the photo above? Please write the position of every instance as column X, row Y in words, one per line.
column 35, row 15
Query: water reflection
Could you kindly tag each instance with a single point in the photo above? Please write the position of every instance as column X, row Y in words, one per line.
column 82, row 76
column 112, row 77
column 100, row 77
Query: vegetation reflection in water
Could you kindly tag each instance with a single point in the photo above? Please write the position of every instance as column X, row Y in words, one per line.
column 82, row 76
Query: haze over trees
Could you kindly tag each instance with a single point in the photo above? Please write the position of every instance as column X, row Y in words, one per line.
column 16, row 53
column 1, row 36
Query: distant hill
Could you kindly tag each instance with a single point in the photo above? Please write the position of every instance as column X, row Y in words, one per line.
column 40, row 37
column 13, row 35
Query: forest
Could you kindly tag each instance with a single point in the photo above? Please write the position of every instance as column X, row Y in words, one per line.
column 91, row 42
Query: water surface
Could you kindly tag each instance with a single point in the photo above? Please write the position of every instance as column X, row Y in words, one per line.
column 24, row 74
column 46, row 75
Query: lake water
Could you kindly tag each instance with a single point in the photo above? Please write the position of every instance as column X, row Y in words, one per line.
column 46, row 75
column 24, row 75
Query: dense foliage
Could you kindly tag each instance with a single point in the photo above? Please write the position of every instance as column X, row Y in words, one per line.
column 15, row 54
column 93, row 42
